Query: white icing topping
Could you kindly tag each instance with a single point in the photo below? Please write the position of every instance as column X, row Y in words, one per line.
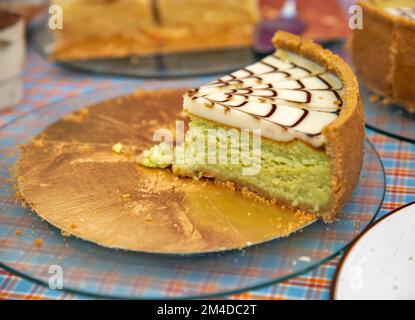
column 284, row 95
column 406, row 12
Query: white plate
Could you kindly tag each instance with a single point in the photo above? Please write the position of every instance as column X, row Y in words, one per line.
column 380, row 264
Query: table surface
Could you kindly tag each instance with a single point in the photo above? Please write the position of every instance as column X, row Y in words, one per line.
column 45, row 82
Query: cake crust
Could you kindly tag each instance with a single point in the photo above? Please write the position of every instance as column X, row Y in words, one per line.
column 383, row 55
column 347, row 130
column 162, row 27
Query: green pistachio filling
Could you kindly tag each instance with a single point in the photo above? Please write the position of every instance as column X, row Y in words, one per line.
column 293, row 172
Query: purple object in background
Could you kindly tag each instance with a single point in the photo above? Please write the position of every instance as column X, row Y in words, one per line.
column 288, row 21
column 346, row 4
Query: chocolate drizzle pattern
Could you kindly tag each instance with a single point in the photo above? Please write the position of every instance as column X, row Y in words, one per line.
column 295, row 94
column 406, row 12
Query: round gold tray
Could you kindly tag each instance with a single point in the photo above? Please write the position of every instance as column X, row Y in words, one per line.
column 70, row 176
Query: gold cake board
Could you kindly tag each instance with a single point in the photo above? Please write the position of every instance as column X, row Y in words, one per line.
column 71, row 178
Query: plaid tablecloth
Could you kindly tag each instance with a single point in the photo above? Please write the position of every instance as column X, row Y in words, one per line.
column 45, row 83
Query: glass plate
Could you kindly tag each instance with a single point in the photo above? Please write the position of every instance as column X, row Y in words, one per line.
column 100, row 272
column 161, row 66
column 391, row 120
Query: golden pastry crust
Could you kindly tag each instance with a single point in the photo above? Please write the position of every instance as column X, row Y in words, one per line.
column 403, row 88
column 371, row 52
column 383, row 55
column 152, row 27
column 346, row 131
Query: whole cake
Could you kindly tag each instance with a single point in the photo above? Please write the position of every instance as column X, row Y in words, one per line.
column 117, row 28
column 383, row 52
column 306, row 104
column 12, row 54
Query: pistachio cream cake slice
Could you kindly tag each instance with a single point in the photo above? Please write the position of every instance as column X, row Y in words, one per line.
column 304, row 103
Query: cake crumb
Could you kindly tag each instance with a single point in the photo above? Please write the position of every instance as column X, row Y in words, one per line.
column 125, row 196
column 18, row 195
column 230, row 185
column 158, row 156
column 304, row 259
column 38, row 243
column 374, row 98
column 39, row 142
column 18, row 232
column 73, row 226
column 65, row 233
column 117, row 148
column 77, row 117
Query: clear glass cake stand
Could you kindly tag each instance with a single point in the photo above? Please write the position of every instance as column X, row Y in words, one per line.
column 100, row 272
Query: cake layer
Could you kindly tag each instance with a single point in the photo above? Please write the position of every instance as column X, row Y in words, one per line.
column 286, row 96
column 119, row 28
column 293, row 174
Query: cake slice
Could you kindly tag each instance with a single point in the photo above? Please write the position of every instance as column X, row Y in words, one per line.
column 304, row 103
column 385, row 47
column 120, row 28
